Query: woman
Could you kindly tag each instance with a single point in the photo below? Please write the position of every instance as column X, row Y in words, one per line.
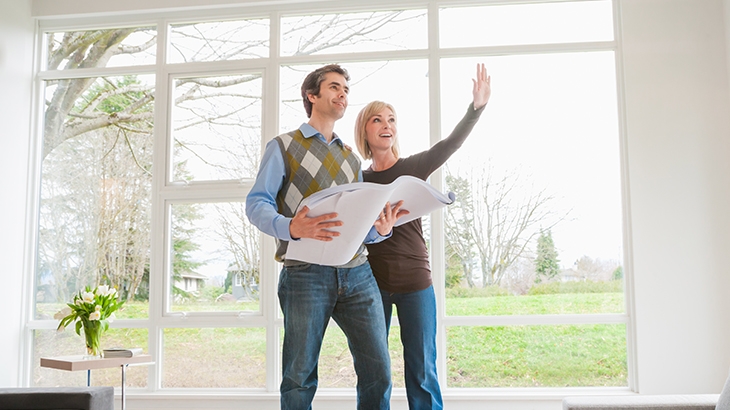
column 400, row 264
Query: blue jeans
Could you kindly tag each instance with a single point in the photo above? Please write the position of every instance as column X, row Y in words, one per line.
column 417, row 318
column 309, row 295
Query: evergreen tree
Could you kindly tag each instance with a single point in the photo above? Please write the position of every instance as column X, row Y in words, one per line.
column 546, row 263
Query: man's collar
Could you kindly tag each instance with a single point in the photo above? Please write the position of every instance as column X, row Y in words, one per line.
column 309, row 131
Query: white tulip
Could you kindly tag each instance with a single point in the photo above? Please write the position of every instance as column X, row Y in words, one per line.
column 88, row 297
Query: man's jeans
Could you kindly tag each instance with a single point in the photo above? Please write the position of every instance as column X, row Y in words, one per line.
column 311, row 294
column 417, row 318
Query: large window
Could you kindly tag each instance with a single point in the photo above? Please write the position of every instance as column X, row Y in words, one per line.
column 152, row 135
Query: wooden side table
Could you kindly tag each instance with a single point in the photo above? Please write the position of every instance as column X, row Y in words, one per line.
column 74, row 363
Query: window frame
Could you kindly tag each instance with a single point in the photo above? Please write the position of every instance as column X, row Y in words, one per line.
column 165, row 192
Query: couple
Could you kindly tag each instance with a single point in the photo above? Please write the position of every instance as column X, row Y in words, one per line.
column 301, row 162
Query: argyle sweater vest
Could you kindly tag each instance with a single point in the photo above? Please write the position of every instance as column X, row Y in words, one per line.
column 311, row 166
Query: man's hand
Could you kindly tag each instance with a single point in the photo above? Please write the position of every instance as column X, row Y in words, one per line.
column 388, row 216
column 302, row 226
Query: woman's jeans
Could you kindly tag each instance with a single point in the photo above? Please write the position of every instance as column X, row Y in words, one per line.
column 417, row 318
column 309, row 295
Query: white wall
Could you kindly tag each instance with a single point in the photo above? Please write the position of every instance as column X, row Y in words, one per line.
column 16, row 53
column 727, row 36
column 678, row 131
column 678, row 122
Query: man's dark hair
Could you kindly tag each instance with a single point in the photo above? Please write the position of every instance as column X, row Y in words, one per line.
column 314, row 80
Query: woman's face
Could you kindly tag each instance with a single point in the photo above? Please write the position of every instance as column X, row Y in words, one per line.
column 381, row 130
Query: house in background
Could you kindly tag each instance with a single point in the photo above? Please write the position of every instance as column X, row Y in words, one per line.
column 242, row 291
column 191, row 282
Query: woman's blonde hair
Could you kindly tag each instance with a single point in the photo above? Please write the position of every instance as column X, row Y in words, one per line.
column 361, row 135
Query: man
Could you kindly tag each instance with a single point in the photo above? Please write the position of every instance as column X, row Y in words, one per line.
column 294, row 166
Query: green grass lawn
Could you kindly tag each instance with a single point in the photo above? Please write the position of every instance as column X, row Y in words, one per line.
column 504, row 356
column 537, row 356
column 548, row 304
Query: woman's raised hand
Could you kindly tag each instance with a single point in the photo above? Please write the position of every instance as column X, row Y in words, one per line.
column 482, row 87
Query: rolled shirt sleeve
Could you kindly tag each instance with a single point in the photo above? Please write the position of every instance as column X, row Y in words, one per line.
column 261, row 208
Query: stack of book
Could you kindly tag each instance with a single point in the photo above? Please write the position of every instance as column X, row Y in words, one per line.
column 122, row 352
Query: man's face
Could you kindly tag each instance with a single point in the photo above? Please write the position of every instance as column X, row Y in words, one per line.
column 332, row 99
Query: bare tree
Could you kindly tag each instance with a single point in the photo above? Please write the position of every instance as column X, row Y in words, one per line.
column 87, row 49
column 241, row 241
column 587, row 268
column 459, row 239
column 499, row 221
column 122, row 218
column 101, row 222
column 520, row 277
column 67, row 115
column 95, row 223
column 319, row 33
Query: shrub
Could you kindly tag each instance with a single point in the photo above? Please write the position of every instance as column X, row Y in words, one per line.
column 577, row 287
column 453, row 278
column 618, row 273
column 210, row 293
column 464, row 292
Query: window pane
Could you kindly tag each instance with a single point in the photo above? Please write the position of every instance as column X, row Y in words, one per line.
column 219, row 41
column 216, row 357
column 404, row 84
column 537, row 356
column 94, row 222
column 397, row 364
column 215, row 265
column 354, row 32
column 49, row 343
column 537, row 186
column 128, row 46
column 216, row 127
column 335, row 362
column 559, row 22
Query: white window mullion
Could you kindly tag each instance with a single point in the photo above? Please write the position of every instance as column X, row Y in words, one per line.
column 32, row 217
column 437, row 251
column 268, row 271
column 159, row 232
column 628, row 259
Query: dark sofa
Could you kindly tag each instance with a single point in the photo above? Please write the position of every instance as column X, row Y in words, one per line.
column 57, row 398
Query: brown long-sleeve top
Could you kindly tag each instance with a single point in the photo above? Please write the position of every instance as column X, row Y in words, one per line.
column 400, row 263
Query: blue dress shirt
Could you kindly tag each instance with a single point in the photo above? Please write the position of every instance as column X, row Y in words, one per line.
column 261, row 207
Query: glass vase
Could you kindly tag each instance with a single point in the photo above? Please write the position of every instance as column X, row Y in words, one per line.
column 92, row 334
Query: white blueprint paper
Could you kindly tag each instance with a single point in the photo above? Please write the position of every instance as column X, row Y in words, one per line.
column 358, row 205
